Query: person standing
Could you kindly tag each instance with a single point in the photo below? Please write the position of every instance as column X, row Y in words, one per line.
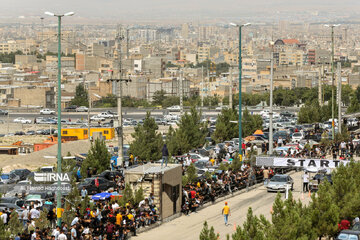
column 226, row 213
column 165, row 155
column 305, row 182
column 266, row 173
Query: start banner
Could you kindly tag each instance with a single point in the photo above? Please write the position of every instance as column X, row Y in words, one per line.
column 298, row 162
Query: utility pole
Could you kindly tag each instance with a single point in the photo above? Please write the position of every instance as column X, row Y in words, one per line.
column 202, row 86
column 339, row 96
column 119, row 81
column 42, row 33
column 127, row 43
column 271, row 106
column 320, row 85
column 332, row 84
column 333, row 78
column 230, row 89
column 208, row 85
column 88, row 112
column 181, row 92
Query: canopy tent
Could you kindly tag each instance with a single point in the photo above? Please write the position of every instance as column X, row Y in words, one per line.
column 259, row 132
column 101, row 196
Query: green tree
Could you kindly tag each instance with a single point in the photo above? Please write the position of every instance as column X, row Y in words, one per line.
column 324, row 212
column 138, row 196
column 98, row 157
column 15, row 226
column 191, row 173
column 291, row 220
column 42, row 222
column 81, row 96
column 254, row 228
column 190, row 133
column 250, row 123
column 159, row 97
column 147, row 142
column 225, row 130
column 222, row 68
column 208, row 234
column 128, row 195
column 354, row 104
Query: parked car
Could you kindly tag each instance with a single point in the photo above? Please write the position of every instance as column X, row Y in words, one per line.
column 97, row 118
column 106, row 115
column 109, row 175
column 278, row 183
column 12, row 200
column 3, row 112
column 19, row 133
column 31, row 132
column 70, row 108
column 348, row 235
column 174, row 108
column 81, row 109
column 9, row 178
column 22, row 120
column 297, row 136
column 47, row 111
column 89, row 184
column 197, row 157
column 22, row 173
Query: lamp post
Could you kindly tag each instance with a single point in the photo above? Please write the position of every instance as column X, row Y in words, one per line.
column 240, row 73
column 58, row 200
column 332, row 79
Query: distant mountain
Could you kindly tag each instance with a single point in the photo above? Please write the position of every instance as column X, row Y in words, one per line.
column 145, row 9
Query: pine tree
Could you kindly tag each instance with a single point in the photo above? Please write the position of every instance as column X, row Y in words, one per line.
column 253, row 228
column 15, row 225
column 138, row 195
column 190, row 134
column 325, row 213
column 42, row 222
column 147, row 142
column 98, row 157
column 250, row 123
column 225, row 130
column 208, row 234
column 81, row 96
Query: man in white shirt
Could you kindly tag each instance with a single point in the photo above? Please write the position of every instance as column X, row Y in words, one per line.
column 73, row 232
column 305, row 178
column 4, row 217
column 115, row 206
column 75, row 221
column 62, row 236
column 34, row 213
column 56, row 233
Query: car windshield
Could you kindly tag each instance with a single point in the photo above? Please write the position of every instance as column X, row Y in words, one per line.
column 297, row 134
column 278, row 179
column 346, row 236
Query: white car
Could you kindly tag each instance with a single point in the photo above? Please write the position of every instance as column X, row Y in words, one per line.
column 22, row 120
column 47, row 111
column 297, row 136
column 197, row 157
column 107, row 115
column 81, row 109
column 97, row 118
column 174, row 108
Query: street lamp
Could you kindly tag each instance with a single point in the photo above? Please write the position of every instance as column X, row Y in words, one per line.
column 240, row 73
column 332, row 78
column 58, row 206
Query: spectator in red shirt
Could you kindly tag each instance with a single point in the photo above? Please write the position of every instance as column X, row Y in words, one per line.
column 109, row 229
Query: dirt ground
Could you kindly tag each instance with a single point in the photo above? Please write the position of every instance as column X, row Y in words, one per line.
column 38, row 159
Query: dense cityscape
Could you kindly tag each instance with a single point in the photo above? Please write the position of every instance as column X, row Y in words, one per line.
column 183, row 121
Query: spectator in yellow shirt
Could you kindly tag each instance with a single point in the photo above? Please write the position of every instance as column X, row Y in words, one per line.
column 226, row 213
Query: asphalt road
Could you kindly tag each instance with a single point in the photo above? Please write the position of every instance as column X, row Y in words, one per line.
column 189, row 227
column 134, row 113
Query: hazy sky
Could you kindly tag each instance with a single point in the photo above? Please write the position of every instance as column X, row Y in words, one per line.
column 145, row 9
